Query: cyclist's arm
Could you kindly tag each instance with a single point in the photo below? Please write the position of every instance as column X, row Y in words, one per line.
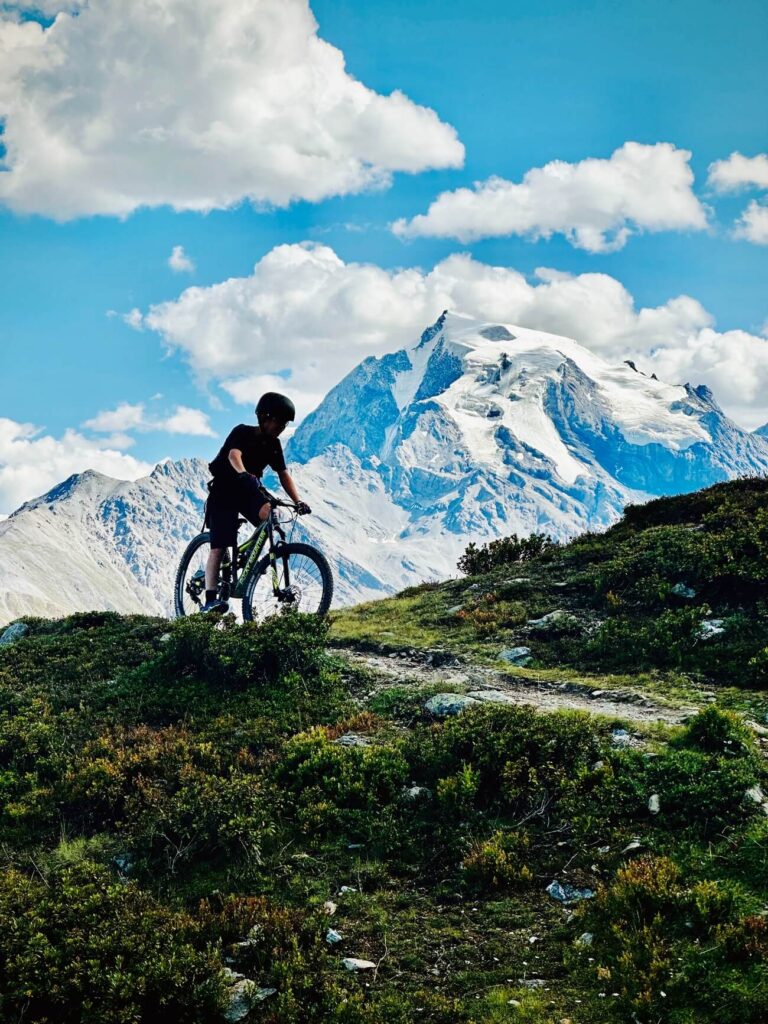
column 236, row 460
column 289, row 486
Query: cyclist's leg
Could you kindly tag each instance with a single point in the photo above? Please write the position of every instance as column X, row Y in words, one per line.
column 222, row 516
column 254, row 502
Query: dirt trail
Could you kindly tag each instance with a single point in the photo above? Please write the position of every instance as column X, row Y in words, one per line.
column 486, row 684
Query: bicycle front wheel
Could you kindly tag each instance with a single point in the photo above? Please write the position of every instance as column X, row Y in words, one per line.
column 303, row 583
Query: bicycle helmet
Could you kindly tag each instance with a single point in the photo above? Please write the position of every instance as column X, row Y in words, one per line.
column 278, row 406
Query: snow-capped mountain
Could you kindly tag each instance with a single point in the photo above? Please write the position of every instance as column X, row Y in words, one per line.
column 480, row 429
column 485, row 428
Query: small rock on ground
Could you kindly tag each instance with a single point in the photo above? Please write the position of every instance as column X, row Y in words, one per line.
column 709, row 628
column 415, row 792
column 243, row 994
column 352, row 963
column 352, row 739
column 565, row 893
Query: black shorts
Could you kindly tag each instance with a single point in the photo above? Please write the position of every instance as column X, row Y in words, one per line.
column 226, row 504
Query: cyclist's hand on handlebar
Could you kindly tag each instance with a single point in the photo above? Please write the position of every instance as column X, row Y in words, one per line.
column 303, row 508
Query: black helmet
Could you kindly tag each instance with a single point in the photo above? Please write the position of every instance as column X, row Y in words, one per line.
column 273, row 404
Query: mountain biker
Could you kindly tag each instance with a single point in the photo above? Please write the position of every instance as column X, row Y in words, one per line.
column 236, row 487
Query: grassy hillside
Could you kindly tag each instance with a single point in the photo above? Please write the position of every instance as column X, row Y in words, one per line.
column 177, row 799
column 636, row 601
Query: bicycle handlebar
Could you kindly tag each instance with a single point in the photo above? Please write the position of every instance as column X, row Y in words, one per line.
column 275, row 502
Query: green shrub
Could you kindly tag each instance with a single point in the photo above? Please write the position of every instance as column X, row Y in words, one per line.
column 80, row 947
column 668, row 947
column 170, row 795
column 456, row 794
column 236, row 656
column 717, row 731
column 504, row 551
column 524, row 760
column 500, row 862
column 333, row 787
column 666, row 641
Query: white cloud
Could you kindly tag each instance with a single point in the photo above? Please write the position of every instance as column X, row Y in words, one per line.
column 739, row 172
column 186, row 421
column 753, row 224
column 198, row 104
column 595, row 204
column 179, row 261
column 133, row 318
column 305, row 311
column 31, row 462
column 124, row 417
column 182, row 420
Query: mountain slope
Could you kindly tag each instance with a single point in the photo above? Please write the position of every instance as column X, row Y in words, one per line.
column 96, row 542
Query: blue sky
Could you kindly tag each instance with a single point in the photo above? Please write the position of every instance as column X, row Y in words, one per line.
column 522, row 84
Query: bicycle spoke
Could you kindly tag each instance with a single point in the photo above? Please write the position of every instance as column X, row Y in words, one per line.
column 302, row 591
column 190, row 587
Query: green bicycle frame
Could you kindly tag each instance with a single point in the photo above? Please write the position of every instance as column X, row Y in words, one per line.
column 256, row 545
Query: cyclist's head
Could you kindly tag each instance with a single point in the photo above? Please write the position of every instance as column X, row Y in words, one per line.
column 275, row 410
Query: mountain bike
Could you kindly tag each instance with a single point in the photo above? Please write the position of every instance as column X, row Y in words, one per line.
column 289, row 577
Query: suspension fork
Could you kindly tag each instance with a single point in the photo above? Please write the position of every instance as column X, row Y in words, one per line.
column 274, row 527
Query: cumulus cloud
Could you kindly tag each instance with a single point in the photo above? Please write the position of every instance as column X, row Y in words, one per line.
column 182, row 420
column 304, row 318
column 124, row 417
column 186, row 421
column 197, row 104
column 31, row 461
column 735, row 174
column 738, row 172
column 753, row 224
column 595, row 204
column 179, row 261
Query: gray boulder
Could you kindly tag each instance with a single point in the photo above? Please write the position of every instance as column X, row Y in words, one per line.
column 442, row 705
column 552, row 621
column 14, row 633
column 518, row 656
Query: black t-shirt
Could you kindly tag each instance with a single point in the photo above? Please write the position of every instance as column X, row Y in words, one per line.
column 259, row 451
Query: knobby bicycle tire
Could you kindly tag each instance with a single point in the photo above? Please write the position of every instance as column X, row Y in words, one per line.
column 191, row 548
column 281, row 551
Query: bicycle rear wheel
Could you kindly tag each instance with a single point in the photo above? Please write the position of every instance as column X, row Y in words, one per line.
column 189, row 587
column 304, row 584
